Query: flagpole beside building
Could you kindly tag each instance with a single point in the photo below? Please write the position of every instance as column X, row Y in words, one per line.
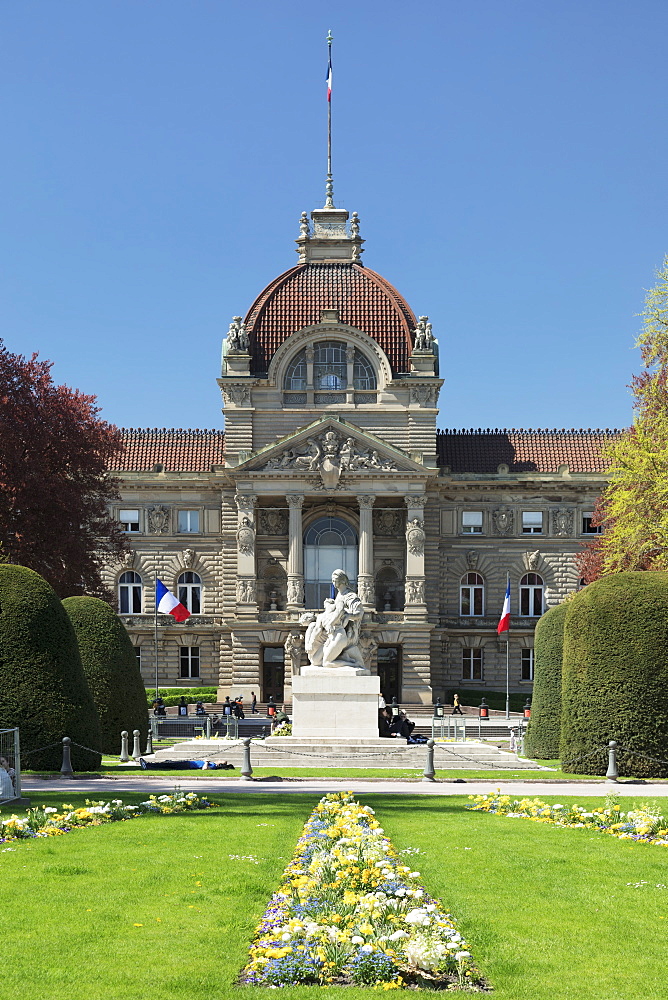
column 155, row 638
column 504, row 628
column 329, row 189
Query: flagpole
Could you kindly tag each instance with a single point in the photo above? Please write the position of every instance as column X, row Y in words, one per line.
column 329, row 189
column 508, row 661
column 155, row 636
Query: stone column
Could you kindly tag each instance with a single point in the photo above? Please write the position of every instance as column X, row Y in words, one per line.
column 415, row 605
column 350, row 374
column 246, row 574
column 365, row 587
column 295, row 599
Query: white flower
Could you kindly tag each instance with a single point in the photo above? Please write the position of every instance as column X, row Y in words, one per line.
column 398, row 935
column 366, row 947
column 430, row 908
column 414, row 875
column 50, row 809
column 461, row 955
column 416, row 916
column 356, row 939
column 286, row 936
column 400, row 892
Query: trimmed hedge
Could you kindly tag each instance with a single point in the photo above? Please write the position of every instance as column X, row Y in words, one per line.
column 111, row 668
column 543, row 733
column 43, row 689
column 615, row 673
column 172, row 696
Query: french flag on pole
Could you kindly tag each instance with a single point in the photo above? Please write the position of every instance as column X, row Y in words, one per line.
column 167, row 604
column 504, row 621
column 329, row 76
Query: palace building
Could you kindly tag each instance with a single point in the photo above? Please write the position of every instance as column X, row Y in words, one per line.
column 330, row 457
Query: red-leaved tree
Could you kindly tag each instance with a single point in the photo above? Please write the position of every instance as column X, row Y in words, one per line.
column 54, row 486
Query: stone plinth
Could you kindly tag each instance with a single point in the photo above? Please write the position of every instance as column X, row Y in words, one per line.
column 335, row 703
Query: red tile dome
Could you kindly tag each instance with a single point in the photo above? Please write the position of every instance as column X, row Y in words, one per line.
column 363, row 299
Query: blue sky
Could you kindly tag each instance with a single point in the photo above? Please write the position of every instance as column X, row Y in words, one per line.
column 507, row 159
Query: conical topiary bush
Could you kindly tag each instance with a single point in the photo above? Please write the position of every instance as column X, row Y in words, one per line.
column 43, row 689
column 111, row 669
column 542, row 738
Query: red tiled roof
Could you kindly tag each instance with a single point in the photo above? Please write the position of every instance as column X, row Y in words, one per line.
column 176, row 450
column 482, row 451
column 363, row 298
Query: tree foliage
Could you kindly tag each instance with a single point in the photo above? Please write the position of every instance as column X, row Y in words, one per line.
column 43, row 690
column 111, row 668
column 54, row 485
column 633, row 510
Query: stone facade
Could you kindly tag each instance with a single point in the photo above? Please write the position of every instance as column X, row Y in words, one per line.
column 331, row 453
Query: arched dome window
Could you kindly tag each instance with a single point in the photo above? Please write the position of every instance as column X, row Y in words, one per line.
column 332, row 367
column 129, row 593
column 329, row 543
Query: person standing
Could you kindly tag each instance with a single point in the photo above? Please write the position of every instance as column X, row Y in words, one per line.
column 456, row 707
column 253, row 703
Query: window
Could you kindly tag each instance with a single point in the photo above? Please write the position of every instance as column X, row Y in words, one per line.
column 189, row 661
column 587, row 527
column 190, row 592
column 472, row 592
column 188, row 521
column 330, row 369
column 472, row 522
column 531, row 595
column 527, row 664
column 532, row 522
column 129, row 520
column 129, row 594
column 472, row 664
column 329, row 543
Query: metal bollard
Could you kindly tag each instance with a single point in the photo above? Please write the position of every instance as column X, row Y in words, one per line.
column 208, row 727
column 66, row 767
column 125, row 756
column 149, row 742
column 246, row 767
column 136, row 747
column 612, row 773
column 429, row 773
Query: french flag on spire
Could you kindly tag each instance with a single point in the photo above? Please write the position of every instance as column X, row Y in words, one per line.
column 167, row 604
column 329, row 75
column 504, row 621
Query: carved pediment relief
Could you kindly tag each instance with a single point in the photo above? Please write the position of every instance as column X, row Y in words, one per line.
column 329, row 449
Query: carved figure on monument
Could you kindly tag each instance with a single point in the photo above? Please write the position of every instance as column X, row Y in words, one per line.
column 158, row 520
column 415, row 591
column 429, row 336
column 532, row 559
column 415, row 536
column 246, row 536
column 354, row 225
column 503, row 520
column 303, row 224
column 188, row 557
column 330, row 455
column 246, row 591
column 310, row 460
column 368, row 646
column 562, row 522
column 332, row 638
column 366, row 591
column 423, row 335
column 472, row 559
column 129, row 558
column 294, row 647
column 238, row 394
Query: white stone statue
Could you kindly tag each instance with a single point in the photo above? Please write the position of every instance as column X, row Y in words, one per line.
column 332, row 637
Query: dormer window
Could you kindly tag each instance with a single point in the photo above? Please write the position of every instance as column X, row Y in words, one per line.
column 329, row 367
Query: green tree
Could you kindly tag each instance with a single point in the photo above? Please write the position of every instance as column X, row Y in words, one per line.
column 43, row 690
column 633, row 510
column 111, row 669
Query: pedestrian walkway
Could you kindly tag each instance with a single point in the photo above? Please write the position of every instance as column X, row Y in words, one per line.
column 149, row 783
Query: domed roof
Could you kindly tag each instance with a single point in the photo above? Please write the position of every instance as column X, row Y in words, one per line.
column 363, row 299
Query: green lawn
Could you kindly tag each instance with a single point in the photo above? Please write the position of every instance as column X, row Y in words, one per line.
column 547, row 911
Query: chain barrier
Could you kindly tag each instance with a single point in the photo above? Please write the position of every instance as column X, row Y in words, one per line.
column 474, row 760
column 26, row 753
column 576, row 760
column 636, row 753
column 321, row 756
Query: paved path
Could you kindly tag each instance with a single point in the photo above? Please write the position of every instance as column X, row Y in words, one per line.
column 101, row 787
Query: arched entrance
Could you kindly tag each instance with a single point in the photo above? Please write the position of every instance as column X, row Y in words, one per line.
column 329, row 543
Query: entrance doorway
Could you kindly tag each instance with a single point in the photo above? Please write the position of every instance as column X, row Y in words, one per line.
column 389, row 671
column 273, row 673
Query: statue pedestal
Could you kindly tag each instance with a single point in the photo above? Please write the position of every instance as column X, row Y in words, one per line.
column 336, row 703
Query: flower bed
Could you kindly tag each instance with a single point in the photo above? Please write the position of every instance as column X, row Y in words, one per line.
column 349, row 912
column 49, row 822
column 645, row 824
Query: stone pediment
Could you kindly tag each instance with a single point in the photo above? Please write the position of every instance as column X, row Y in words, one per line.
column 331, row 448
